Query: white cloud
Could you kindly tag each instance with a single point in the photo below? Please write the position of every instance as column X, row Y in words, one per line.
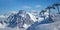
column 7, row 14
column 38, row 6
column 12, row 12
column 2, row 16
column 26, row 7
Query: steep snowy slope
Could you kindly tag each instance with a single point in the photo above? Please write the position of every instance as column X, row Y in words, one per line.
column 51, row 26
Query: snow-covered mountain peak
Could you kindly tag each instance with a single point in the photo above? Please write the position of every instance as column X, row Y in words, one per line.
column 24, row 19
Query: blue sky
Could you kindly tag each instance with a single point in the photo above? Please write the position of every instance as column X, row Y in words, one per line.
column 28, row 5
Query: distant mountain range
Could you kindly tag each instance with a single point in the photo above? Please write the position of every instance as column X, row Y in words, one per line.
column 28, row 20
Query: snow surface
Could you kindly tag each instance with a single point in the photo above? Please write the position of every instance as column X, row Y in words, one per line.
column 51, row 26
column 34, row 18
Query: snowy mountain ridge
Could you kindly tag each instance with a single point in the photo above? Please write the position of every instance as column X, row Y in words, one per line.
column 23, row 15
column 24, row 19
